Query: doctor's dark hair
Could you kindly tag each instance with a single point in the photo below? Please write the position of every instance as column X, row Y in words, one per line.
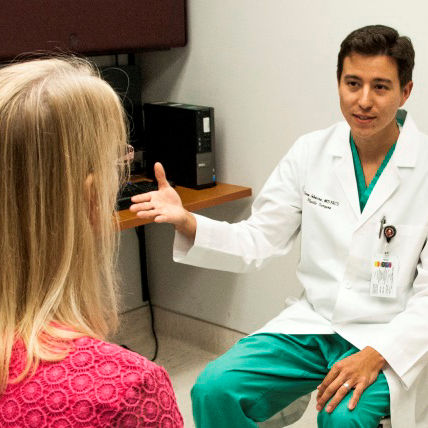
column 380, row 40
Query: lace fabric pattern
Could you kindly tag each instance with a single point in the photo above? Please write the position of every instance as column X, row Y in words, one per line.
column 98, row 384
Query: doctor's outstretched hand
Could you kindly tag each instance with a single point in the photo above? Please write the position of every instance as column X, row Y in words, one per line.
column 164, row 206
column 357, row 372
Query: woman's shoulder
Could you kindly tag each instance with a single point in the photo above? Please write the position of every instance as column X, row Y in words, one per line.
column 124, row 376
column 97, row 374
column 110, row 361
column 89, row 351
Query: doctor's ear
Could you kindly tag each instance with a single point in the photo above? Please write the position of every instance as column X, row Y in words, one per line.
column 405, row 92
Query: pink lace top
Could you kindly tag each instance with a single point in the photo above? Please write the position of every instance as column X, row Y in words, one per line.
column 97, row 385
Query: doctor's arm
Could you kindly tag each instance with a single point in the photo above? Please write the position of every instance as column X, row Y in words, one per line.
column 269, row 232
column 238, row 247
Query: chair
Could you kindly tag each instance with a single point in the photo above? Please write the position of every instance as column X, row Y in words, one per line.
column 385, row 423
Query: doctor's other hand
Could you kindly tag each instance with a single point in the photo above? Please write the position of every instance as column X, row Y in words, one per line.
column 164, row 206
column 357, row 372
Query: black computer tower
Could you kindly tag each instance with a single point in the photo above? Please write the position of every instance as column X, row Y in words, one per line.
column 181, row 137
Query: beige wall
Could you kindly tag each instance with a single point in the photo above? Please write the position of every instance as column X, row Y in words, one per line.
column 268, row 69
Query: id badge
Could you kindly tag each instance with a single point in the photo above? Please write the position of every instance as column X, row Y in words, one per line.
column 384, row 270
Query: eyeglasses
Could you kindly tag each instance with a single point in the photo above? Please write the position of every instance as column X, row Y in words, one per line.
column 128, row 157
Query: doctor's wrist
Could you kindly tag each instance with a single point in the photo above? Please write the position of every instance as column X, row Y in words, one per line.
column 375, row 357
column 187, row 225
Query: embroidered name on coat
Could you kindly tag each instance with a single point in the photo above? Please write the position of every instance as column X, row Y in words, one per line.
column 320, row 201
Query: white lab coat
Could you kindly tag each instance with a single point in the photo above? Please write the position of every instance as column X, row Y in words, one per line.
column 313, row 190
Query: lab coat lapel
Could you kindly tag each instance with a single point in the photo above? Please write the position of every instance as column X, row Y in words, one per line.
column 405, row 156
column 344, row 170
column 383, row 190
column 343, row 167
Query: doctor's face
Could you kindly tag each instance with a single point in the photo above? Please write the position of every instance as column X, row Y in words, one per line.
column 370, row 95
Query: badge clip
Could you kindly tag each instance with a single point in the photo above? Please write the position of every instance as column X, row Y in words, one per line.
column 389, row 232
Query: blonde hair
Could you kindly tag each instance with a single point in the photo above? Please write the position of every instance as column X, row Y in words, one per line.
column 62, row 129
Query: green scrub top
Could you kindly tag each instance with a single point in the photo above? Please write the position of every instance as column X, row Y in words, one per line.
column 363, row 190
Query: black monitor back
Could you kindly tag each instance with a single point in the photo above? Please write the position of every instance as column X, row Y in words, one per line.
column 126, row 81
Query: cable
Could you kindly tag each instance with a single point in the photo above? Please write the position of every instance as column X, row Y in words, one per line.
column 145, row 284
column 152, row 322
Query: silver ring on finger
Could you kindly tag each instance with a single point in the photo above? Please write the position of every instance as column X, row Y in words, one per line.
column 346, row 385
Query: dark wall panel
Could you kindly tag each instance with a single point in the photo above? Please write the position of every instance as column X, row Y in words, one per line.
column 90, row 26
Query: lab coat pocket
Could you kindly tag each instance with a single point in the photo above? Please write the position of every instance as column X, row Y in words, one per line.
column 405, row 247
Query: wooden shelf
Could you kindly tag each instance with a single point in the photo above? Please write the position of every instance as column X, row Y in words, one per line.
column 193, row 200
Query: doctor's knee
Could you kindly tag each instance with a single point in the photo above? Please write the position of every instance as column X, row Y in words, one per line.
column 213, row 382
column 340, row 417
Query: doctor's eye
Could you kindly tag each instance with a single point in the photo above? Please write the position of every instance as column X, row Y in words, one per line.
column 380, row 87
column 352, row 84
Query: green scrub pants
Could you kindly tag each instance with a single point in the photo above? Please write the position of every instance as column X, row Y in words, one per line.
column 264, row 373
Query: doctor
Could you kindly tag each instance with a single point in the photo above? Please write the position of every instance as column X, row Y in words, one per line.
column 357, row 193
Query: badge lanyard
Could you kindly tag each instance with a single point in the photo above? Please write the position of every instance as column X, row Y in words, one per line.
column 385, row 265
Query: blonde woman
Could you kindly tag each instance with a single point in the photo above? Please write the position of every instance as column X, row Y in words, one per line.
column 63, row 140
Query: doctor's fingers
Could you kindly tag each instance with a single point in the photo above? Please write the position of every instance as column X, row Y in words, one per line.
column 341, row 393
column 149, row 215
column 337, row 387
column 328, row 380
column 142, row 197
column 144, row 206
column 359, row 389
column 158, row 214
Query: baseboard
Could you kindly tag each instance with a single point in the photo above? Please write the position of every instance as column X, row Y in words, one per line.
column 135, row 326
column 207, row 336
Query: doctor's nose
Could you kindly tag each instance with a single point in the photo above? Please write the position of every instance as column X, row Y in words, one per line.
column 365, row 100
